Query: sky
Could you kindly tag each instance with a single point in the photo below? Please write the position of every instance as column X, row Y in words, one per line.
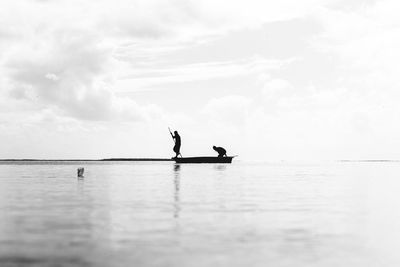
column 267, row 80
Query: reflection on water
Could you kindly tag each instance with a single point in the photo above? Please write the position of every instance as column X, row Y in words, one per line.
column 220, row 167
column 146, row 214
column 177, row 169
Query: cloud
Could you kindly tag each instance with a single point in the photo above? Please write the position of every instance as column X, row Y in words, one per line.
column 274, row 88
column 153, row 76
column 63, row 63
column 65, row 58
column 365, row 40
column 52, row 76
column 72, row 73
column 61, row 55
column 232, row 109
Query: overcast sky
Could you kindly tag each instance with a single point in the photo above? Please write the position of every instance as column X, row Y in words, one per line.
column 270, row 80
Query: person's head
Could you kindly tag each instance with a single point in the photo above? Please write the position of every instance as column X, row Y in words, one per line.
column 175, row 132
column 214, row 147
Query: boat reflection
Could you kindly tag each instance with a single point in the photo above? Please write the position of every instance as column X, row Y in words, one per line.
column 220, row 167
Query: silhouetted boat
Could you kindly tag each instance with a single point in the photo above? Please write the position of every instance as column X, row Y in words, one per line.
column 204, row 160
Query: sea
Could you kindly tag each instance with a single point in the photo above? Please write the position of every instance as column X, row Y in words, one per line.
column 162, row 214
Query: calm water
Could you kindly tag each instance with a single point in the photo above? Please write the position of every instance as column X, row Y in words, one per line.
column 161, row 214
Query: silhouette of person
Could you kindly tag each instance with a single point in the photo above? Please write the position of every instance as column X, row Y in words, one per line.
column 221, row 151
column 177, row 146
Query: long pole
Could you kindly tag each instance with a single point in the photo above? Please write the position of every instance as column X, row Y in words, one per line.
column 171, row 134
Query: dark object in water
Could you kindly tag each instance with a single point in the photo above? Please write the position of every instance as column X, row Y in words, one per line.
column 204, row 160
column 80, row 172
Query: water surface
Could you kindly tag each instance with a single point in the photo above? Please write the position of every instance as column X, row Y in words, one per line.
column 163, row 214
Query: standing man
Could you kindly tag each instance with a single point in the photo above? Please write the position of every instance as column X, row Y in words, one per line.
column 177, row 146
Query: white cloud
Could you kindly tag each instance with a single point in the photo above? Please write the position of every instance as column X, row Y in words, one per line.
column 151, row 76
column 62, row 54
column 52, row 76
column 274, row 88
column 72, row 72
column 229, row 109
column 365, row 40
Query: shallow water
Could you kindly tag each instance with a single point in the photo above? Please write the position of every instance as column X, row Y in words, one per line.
column 161, row 214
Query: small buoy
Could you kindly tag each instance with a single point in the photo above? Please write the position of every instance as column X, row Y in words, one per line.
column 80, row 172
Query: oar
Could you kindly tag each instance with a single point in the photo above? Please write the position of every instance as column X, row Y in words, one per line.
column 171, row 134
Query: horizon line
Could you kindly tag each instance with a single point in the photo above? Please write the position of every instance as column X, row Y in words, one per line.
column 170, row 159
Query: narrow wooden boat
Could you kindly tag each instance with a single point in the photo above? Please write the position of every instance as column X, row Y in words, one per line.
column 204, row 160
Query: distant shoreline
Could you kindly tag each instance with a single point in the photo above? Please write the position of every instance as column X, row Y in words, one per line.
column 110, row 159
column 369, row 160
